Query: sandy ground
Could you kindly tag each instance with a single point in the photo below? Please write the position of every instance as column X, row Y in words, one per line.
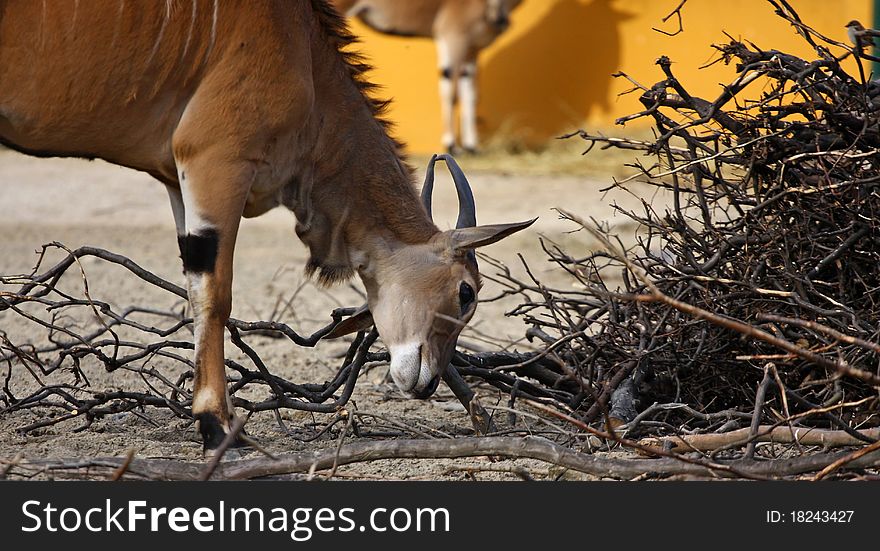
column 93, row 203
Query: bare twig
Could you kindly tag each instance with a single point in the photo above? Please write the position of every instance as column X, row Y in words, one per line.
column 676, row 12
column 527, row 447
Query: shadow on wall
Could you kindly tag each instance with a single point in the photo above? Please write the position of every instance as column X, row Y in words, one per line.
column 553, row 77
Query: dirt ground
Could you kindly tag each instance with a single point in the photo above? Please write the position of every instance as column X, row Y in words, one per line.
column 93, row 203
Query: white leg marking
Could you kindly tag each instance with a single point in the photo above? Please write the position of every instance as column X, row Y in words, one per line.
column 447, row 93
column 177, row 209
column 447, row 100
column 205, row 398
column 468, row 97
column 194, row 221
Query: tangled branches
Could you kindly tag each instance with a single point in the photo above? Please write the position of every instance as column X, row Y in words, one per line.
column 153, row 344
column 115, row 339
column 756, row 294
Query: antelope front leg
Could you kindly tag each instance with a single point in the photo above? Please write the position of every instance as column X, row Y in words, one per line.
column 213, row 197
column 448, row 63
column 176, row 198
column 467, row 96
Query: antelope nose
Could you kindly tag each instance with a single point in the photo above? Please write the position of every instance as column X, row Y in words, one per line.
column 428, row 389
column 406, row 366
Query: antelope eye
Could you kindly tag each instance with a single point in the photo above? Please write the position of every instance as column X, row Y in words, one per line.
column 466, row 296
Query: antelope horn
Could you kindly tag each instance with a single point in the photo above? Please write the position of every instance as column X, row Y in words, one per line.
column 467, row 209
column 428, row 187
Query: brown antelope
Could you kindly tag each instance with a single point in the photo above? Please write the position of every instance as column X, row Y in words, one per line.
column 237, row 107
column 461, row 28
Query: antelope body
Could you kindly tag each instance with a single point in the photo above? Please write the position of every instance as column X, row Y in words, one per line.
column 461, row 28
column 237, row 107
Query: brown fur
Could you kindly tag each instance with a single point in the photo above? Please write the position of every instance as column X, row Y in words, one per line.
column 236, row 106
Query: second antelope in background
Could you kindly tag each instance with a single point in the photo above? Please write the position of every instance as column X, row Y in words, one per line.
column 461, row 29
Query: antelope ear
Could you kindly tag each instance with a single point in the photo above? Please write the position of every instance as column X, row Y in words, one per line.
column 479, row 236
column 361, row 320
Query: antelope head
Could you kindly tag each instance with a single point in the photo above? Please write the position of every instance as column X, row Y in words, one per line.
column 421, row 296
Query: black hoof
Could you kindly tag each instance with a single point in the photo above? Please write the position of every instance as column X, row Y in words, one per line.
column 471, row 151
column 213, row 433
column 453, row 150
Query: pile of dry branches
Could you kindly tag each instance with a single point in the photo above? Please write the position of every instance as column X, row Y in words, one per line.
column 755, row 297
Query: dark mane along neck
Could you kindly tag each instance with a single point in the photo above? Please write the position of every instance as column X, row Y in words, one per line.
column 362, row 201
column 340, row 37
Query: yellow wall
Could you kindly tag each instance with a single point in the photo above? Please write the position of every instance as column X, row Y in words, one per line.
column 551, row 71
